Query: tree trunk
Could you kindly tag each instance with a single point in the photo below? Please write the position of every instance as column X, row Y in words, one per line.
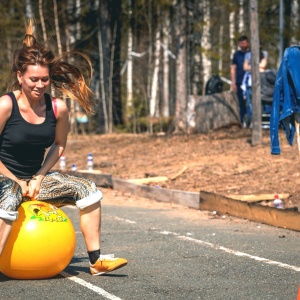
column 77, row 18
column 296, row 23
column 181, row 74
column 70, row 38
column 57, row 32
column 42, row 20
column 101, row 75
column 103, row 40
column 111, row 72
column 116, row 23
column 195, row 48
column 287, row 24
column 221, row 51
column 231, row 32
column 166, row 92
column 206, row 44
column 29, row 11
column 154, row 86
column 59, row 46
column 256, row 98
column 150, row 47
column 172, row 63
column 129, row 65
column 241, row 16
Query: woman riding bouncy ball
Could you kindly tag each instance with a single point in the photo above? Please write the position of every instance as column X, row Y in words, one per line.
column 31, row 122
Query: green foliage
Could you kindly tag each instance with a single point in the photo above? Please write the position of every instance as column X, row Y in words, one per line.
column 11, row 32
column 143, row 124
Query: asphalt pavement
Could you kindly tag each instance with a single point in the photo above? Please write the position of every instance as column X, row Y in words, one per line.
column 172, row 256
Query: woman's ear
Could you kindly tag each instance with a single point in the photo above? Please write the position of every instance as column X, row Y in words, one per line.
column 19, row 77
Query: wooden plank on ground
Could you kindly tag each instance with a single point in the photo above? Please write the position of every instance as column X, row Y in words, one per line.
column 205, row 201
column 149, row 180
column 257, row 197
column 251, row 211
column 102, row 180
column 188, row 199
column 179, row 173
column 88, row 171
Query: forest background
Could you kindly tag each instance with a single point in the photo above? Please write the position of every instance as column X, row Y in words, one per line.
column 147, row 55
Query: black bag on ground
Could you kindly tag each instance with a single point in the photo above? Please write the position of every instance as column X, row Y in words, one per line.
column 214, row 85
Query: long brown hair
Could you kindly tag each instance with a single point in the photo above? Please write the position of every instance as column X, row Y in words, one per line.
column 65, row 77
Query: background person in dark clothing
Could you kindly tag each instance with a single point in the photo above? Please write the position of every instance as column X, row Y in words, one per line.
column 237, row 72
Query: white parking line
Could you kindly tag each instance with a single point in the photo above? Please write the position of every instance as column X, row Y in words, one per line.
column 90, row 286
column 238, row 253
column 125, row 220
column 107, row 295
column 227, row 250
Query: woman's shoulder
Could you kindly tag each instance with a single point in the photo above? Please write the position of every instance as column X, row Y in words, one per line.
column 6, row 102
column 59, row 102
column 59, row 106
column 6, row 107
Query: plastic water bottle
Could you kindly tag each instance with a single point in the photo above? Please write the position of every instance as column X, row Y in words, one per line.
column 278, row 202
column 90, row 162
column 62, row 163
column 74, row 168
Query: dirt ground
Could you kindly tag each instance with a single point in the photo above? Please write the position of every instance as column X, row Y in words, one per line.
column 222, row 162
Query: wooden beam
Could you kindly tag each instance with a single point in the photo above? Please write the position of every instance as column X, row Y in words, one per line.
column 256, row 197
column 92, row 172
column 178, row 173
column 102, row 180
column 189, row 199
column 149, row 180
column 251, row 211
column 205, row 201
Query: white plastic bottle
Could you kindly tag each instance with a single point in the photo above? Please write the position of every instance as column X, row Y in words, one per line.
column 74, row 168
column 278, row 202
column 90, row 162
column 62, row 163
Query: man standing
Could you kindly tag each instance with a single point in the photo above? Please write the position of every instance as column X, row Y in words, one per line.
column 237, row 72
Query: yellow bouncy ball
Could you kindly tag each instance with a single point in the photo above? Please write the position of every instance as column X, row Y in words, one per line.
column 41, row 244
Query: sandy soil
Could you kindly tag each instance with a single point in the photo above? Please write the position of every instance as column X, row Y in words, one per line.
column 222, row 162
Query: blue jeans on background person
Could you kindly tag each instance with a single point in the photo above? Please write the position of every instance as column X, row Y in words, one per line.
column 249, row 103
column 241, row 102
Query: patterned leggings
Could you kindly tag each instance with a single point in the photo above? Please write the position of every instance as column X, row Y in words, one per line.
column 57, row 189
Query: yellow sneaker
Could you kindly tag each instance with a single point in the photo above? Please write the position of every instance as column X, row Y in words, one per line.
column 106, row 264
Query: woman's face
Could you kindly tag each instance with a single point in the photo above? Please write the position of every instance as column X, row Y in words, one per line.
column 34, row 81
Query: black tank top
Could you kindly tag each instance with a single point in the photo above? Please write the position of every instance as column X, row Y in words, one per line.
column 22, row 144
